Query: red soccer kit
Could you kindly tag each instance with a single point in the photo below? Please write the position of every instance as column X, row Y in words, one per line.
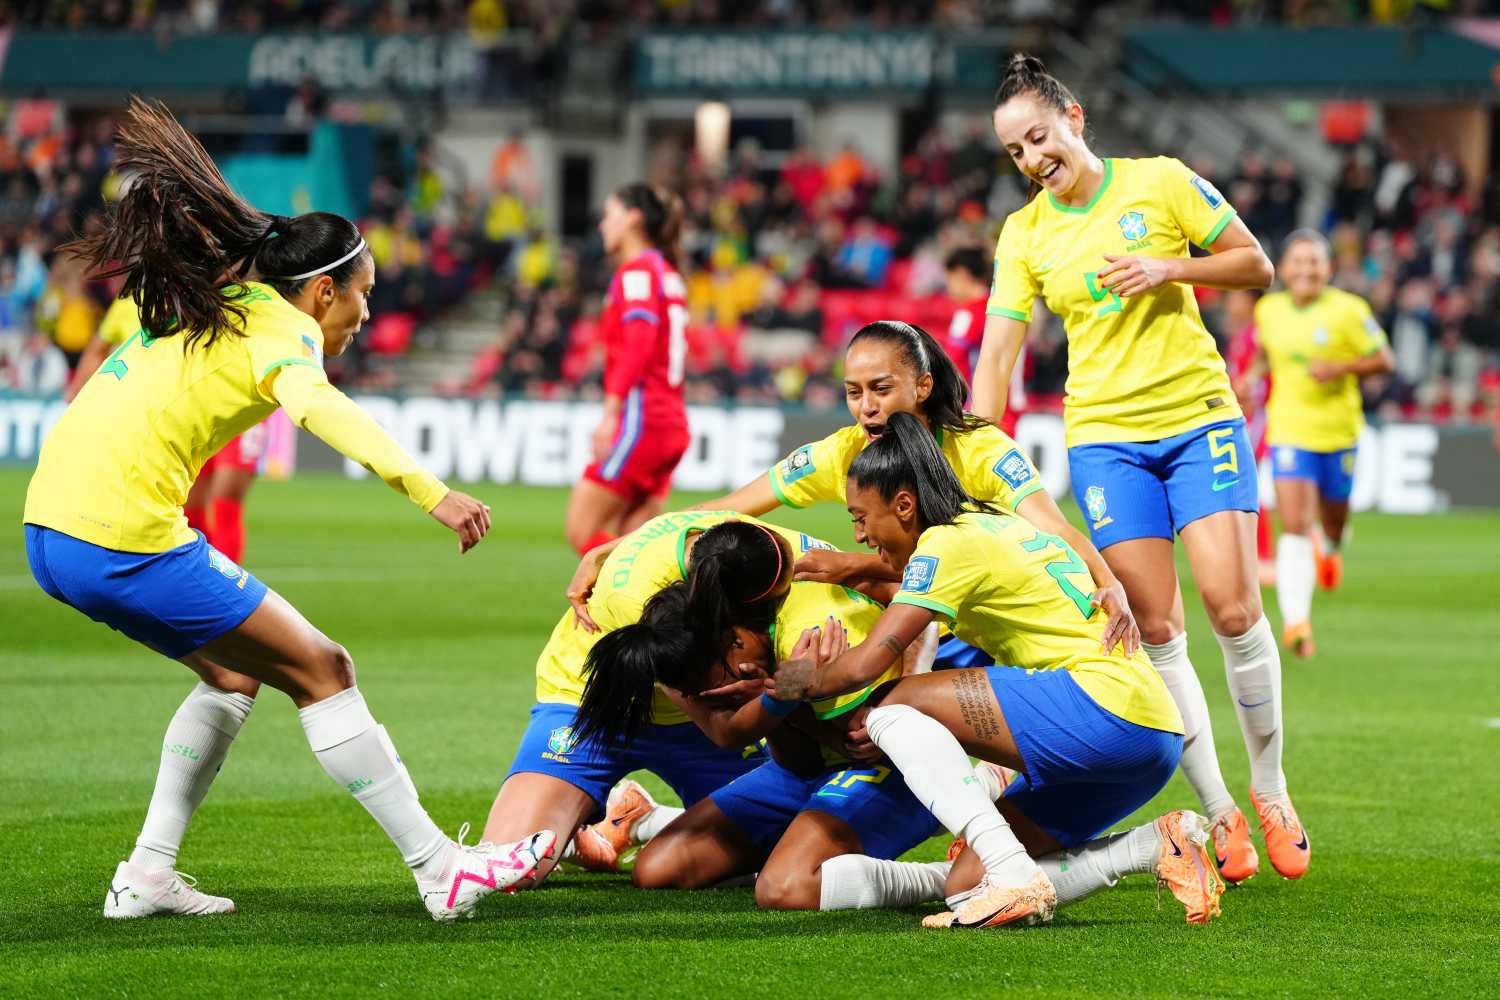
column 965, row 334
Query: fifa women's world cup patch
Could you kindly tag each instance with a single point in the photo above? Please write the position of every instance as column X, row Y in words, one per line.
column 809, row 543
column 920, row 572
column 1093, row 500
column 1208, row 191
column 1014, row 469
column 560, row 743
column 797, row 465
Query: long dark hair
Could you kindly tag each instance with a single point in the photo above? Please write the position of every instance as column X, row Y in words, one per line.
column 1026, row 74
column 733, row 570
column 623, row 667
column 944, row 405
column 182, row 236
column 906, row 457
column 661, row 215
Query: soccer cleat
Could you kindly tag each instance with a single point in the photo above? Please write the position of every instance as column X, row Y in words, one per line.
column 605, row 845
column 938, row 921
column 1184, row 865
column 1330, row 570
column 1286, row 837
column 141, row 892
column 1232, row 847
column 994, row 905
column 480, row 870
column 1299, row 639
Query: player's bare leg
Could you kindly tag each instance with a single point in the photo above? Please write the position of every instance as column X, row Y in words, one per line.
column 1335, row 517
column 1296, row 562
column 528, row 802
column 698, row 850
column 594, row 511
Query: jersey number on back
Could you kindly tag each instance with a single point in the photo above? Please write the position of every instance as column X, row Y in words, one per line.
column 115, row 363
column 1061, row 569
column 677, row 320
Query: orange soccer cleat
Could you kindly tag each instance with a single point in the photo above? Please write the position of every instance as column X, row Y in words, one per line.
column 1185, row 867
column 602, row 846
column 1330, row 570
column 1232, row 847
column 1299, row 639
column 1286, row 837
column 993, row 905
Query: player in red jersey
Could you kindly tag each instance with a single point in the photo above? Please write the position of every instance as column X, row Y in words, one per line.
column 643, row 433
column 216, row 503
column 968, row 271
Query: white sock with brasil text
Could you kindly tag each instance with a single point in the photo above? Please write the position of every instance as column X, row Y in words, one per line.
column 939, row 774
column 196, row 743
column 357, row 754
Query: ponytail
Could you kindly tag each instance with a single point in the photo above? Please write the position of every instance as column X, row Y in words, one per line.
column 182, row 236
column 907, row 457
column 944, row 405
column 623, row 667
column 737, row 568
column 661, row 216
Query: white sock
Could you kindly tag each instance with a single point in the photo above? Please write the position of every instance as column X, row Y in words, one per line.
column 1200, row 762
column 654, row 822
column 1295, row 572
column 1252, row 664
column 989, row 780
column 939, row 774
column 857, row 882
column 357, row 753
column 1100, row 863
column 197, row 740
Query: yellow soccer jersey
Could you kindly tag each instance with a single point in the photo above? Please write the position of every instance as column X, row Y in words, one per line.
column 646, row 560
column 989, row 464
column 1303, row 412
column 1141, row 368
column 1015, row 592
column 121, row 320
column 809, row 604
column 117, row 467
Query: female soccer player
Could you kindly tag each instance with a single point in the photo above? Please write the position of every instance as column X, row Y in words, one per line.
column 892, row 367
column 214, row 355
column 1316, row 342
column 643, row 433
column 1093, row 734
column 1156, row 442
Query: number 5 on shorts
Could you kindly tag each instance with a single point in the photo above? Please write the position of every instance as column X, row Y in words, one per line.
column 1220, row 445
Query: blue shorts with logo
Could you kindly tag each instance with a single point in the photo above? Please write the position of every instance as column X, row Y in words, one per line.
column 1150, row 489
column 875, row 802
column 679, row 754
column 1333, row 471
column 173, row 601
column 1086, row 768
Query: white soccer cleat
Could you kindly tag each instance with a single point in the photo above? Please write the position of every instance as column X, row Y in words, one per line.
column 142, row 892
column 482, row 869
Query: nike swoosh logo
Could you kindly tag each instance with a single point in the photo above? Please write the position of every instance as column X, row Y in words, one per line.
column 1045, row 267
column 1256, row 705
column 1176, row 851
column 1302, row 844
column 824, row 793
column 1219, row 487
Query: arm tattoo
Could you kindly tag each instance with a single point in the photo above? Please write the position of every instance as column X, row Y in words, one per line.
column 976, row 703
column 893, row 644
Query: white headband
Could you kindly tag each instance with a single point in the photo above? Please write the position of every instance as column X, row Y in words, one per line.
column 326, row 267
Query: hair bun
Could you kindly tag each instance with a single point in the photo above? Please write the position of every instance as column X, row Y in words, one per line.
column 1026, row 65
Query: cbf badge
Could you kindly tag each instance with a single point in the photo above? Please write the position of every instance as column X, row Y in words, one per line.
column 224, row 564
column 798, row 464
column 1093, row 500
column 560, row 743
column 1133, row 226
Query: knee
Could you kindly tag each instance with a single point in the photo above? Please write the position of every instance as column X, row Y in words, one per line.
column 1155, row 631
column 336, row 665
column 661, row 867
column 787, row 889
column 1233, row 614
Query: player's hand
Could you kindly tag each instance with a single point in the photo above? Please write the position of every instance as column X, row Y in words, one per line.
column 465, row 516
column 1121, row 626
column 1131, row 275
column 822, row 643
column 1324, row 371
column 604, row 436
column 793, row 680
column 581, row 588
column 821, row 566
column 857, row 744
column 736, row 693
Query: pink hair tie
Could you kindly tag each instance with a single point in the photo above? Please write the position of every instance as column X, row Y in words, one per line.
column 777, row 578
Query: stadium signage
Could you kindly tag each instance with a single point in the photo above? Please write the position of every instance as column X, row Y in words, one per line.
column 368, row 63
column 807, row 63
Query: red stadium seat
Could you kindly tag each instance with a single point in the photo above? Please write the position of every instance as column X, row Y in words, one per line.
column 391, row 333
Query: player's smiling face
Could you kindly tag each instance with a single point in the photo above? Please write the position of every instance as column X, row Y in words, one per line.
column 1045, row 144
column 1305, row 269
column 346, row 310
column 888, row 526
column 878, row 381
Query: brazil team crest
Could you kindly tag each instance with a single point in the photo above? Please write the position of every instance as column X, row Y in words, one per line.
column 1093, row 500
column 224, row 564
column 561, row 741
column 1133, row 226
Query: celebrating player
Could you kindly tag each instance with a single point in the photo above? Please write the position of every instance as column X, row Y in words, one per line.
column 968, row 273
column 215, row 354
column 1316, row 342
column 1156, row 442
column 643, row 433
column 892, row 367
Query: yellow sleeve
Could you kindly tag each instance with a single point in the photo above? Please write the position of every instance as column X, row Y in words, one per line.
column 306, row 395
column 120, row 322
column 996, row 470
column 1200, row 210
column 1362, row 332
column 941, row 575
column 815, row 472
column 1014, row 287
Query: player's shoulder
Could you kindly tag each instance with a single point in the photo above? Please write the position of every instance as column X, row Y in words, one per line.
column 638, row 280
column 1346, row 301
column 268, row 314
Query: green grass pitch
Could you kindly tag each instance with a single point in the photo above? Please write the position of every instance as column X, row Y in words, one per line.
column 1393, row 752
